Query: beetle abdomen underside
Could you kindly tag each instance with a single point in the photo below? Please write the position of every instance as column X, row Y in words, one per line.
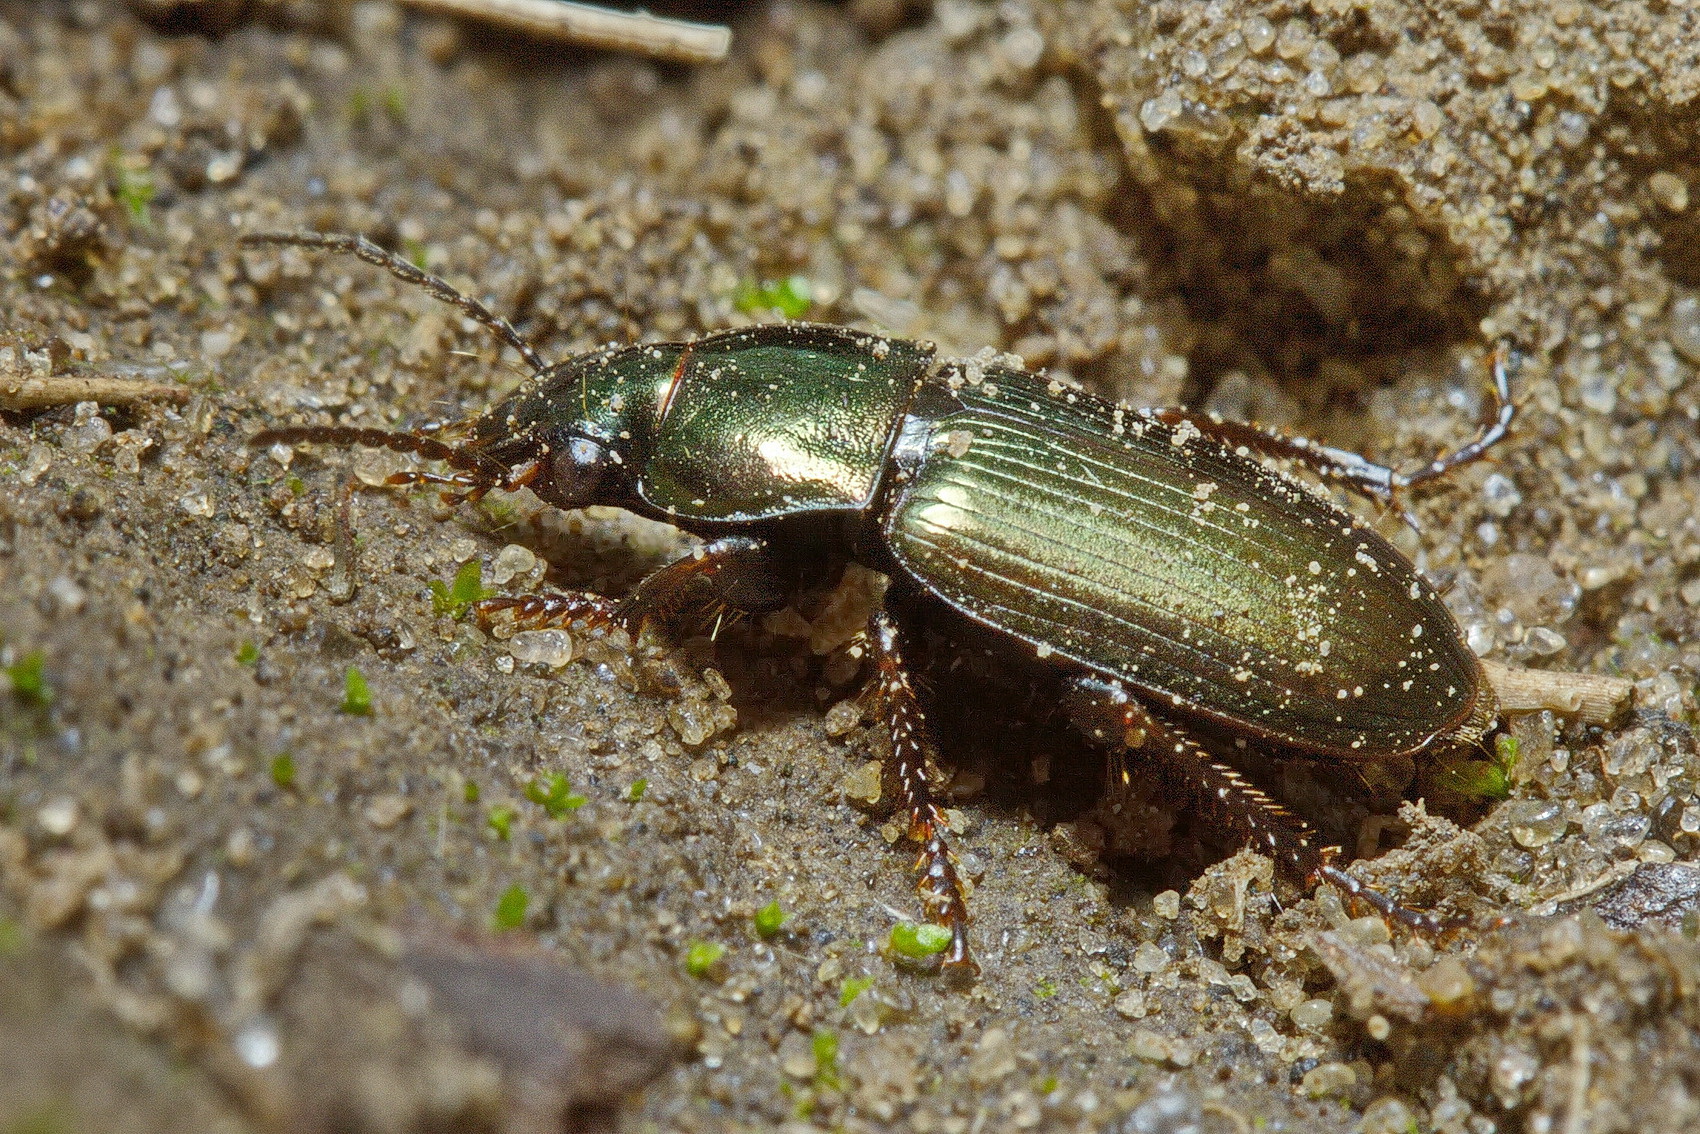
column 1157, row 556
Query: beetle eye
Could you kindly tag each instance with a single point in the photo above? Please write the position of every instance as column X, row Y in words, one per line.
column 580, row 466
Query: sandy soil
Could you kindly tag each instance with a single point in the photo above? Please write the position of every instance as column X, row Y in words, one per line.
column 227, row 902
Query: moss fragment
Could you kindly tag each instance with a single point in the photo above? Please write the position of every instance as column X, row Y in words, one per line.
column 28, row 676
column 511, row 908
column 702, row 956
column 456, row 598
column 554, row 794
column 356, row 696
column 770, row 919
column 917, row 942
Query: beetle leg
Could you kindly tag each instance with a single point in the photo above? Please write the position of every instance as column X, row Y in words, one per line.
column 1108, row 715
column 905, row 779
column 733, row 571
column 556, row 610
column 1376, row 481
column 737, row 568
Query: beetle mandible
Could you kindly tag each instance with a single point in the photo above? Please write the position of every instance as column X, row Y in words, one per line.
column 1173, row 585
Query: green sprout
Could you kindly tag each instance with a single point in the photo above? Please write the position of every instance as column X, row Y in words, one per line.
column 1044, row 990
column 825, row 1045
column 454, row 599
column 415, row 253
column 247, row 653
column 917, row 942
column 1482, row 779
column 511, row 907
column 770, row 918
column 283, row 771
column 356, row 697
column 635, row 792
column 791, row 297
column 28, row 676
column 702, row 956
column 133, row 186
column 500, row 819
column 553, row 794
column 852, row 988
column 11, row 938
column 469, row 791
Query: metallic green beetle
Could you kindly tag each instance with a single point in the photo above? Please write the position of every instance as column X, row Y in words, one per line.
column 1166, row 577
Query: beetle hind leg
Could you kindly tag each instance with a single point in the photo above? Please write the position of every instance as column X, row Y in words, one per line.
column 1109, row 716
column 906, row 779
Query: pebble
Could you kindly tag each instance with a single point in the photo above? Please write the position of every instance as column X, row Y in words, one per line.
column 386, row 810
column 554, row 648
column 58, row 816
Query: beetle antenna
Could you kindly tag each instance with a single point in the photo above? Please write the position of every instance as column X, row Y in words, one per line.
column 409, row 273
column 427, row 447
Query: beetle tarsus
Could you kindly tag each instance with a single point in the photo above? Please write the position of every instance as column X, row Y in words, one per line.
column 905, row 779
column 1417, row 921
column 557, row 610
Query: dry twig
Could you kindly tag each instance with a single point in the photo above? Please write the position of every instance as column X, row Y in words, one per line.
column 593, row 26
column 21, row 393
column 1590, row 697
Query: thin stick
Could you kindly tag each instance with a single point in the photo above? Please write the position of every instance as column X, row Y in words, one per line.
column 18, row 393
column 1591, row 697
column 592, row 26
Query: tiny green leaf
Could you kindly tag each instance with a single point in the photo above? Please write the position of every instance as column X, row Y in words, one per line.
column 134, row 188
column 770, row 918
column 283, row 771
column 247, row 653
column 553, row 794
column 909, row 939
column 11, row 938
column 356, row 697
column 456, row 598
column 635, row 792
column 28, row 676
column 1044, row 990
column 702, row 956
column 1482, row 779
column 852, row 988
column 1505, row 748
column 500, row 819
column 791, row 297
column 824, row 1042
column 511, row 907
column 469, row 791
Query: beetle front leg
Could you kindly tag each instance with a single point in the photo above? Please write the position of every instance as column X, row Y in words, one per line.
column 905, row 778
column 735, row 572
column 1108, row 715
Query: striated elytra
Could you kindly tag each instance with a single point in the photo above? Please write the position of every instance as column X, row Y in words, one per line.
column 1174, row 587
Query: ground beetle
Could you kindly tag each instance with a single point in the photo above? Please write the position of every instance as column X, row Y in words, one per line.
column 1179, row 592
